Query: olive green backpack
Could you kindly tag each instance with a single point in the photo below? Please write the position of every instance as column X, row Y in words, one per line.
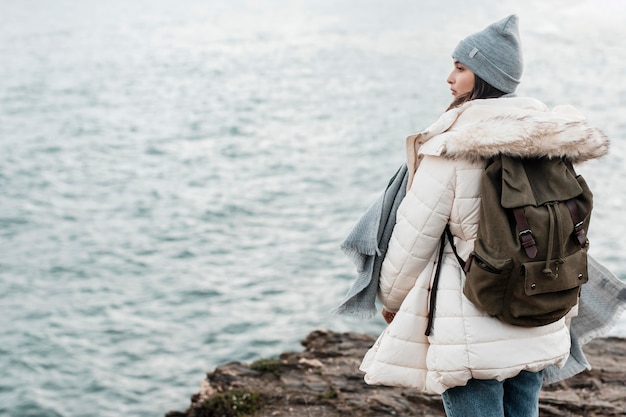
column 530, row 256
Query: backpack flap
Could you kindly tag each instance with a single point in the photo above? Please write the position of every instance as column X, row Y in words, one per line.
column 536, row 182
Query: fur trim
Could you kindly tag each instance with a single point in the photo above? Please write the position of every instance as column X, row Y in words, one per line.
column 536, row 135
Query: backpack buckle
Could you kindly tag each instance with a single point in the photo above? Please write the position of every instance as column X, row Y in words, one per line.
column 528, row 242
column 526, row 235
column 579, row 235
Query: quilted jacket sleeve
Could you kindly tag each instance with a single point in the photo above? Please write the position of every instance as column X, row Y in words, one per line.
column 421, row 219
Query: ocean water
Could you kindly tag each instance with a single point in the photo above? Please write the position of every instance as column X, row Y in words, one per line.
column 176, row 176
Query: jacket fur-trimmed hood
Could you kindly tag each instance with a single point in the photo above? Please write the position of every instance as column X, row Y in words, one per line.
column 520, row 128
column 528, row 136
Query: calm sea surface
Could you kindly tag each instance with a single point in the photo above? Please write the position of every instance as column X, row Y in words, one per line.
column 176, row 176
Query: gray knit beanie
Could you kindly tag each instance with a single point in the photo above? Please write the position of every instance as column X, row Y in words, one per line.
column 494, row 54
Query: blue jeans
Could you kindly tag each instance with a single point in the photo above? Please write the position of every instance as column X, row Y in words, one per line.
column 513, row 397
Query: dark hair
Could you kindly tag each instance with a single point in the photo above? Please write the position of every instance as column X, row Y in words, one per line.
column 481, row 90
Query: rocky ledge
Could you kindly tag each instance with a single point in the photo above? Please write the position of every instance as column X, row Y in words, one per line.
column 324, row 381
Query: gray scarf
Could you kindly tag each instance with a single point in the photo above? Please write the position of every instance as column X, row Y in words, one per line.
column 366, row 246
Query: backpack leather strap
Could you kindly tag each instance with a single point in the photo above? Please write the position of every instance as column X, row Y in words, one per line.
column 525, row 234
column 451, row 239
column 579, row 233
column 433, row 291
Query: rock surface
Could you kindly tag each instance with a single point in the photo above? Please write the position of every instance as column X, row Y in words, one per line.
column 324, row 381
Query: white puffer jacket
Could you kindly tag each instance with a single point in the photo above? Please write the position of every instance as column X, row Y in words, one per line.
column 447, row 160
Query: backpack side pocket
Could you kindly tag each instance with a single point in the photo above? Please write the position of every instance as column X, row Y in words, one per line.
column 486, row 282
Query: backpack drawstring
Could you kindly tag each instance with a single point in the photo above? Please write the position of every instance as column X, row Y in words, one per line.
column 555, row 220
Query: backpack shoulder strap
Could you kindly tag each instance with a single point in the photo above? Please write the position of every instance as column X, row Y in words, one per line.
column 433, row 290
column 448, row 233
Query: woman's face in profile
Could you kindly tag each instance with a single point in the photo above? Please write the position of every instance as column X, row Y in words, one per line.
column 461, row 80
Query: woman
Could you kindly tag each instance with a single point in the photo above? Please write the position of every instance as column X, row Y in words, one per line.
column 481, row 365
